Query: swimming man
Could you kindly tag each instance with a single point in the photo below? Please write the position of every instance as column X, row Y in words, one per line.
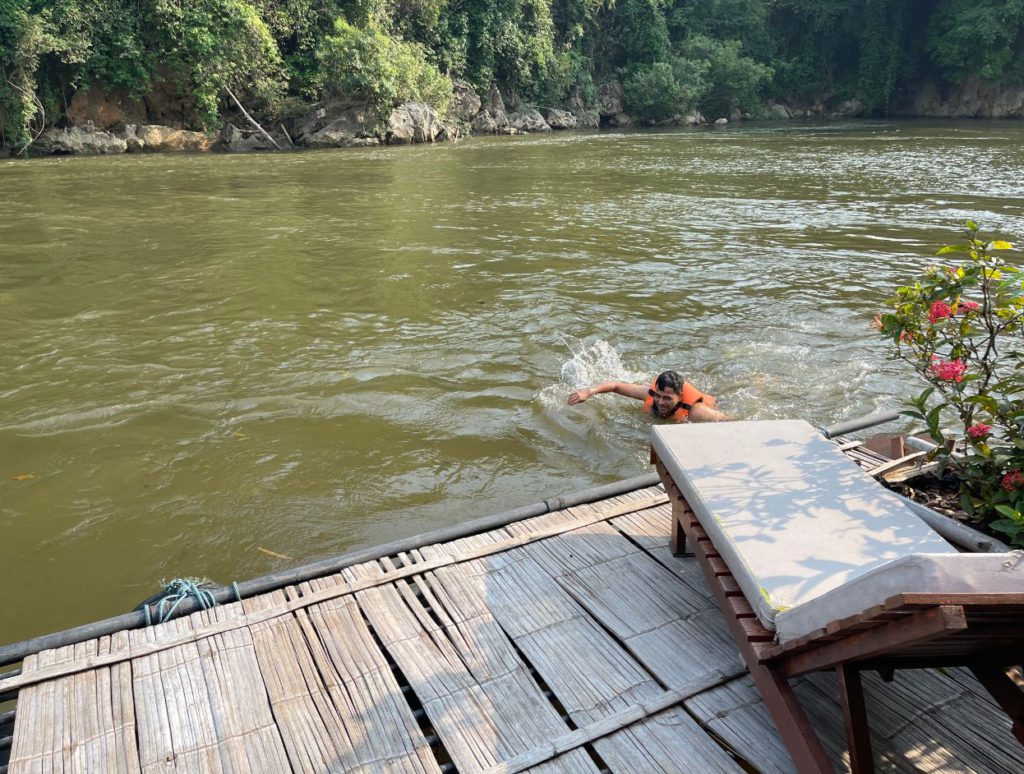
column 668, row 397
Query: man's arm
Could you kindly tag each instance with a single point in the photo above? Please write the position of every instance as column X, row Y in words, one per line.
column 619, row 388
column 701, row 413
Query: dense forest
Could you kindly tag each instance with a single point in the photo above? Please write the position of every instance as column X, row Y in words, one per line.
column 670, row 56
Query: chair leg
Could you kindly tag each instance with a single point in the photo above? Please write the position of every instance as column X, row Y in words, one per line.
column 790, row 720
column 855, row 718
column 1007, row 694
column 678, row 535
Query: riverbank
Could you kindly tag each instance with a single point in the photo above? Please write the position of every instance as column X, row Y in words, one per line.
column 99, row 123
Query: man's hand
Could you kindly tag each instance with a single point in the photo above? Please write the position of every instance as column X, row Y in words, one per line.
column 579, row 396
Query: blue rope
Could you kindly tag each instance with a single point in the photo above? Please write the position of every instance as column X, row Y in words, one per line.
column 176, row 592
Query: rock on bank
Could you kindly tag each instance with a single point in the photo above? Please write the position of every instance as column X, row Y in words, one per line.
column 102, row 123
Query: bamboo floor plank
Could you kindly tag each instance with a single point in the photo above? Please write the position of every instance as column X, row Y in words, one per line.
column 668, row 741
column 917, row 723
column 37, row 745
column 650, row 529
column 203, row 706
column 80, row 723
column 734, row 710
column 659, row 618
column 478, row 694
column 380, row 727
column 589, row 673
column 565, row 518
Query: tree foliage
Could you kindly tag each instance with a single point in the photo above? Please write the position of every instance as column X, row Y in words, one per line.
column 385, row 71
column 670, row 55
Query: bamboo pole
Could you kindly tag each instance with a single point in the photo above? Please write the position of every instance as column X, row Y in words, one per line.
column 15, row 652
column 343, row 588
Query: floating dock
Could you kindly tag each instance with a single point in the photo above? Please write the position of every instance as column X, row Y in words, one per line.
column 571, row 641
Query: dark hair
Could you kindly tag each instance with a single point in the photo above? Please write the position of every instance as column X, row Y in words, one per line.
column 669, row 380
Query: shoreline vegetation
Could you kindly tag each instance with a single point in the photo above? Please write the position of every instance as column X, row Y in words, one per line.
column 114, row 76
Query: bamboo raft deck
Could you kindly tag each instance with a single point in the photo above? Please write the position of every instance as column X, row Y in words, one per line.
column 568, row 642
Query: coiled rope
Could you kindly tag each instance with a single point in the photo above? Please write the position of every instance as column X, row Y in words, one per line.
column 176, row 592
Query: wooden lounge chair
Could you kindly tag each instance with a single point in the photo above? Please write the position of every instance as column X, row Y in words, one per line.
column 817, row 567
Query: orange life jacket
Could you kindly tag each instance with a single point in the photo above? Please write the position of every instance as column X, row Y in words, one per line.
column 690, row 396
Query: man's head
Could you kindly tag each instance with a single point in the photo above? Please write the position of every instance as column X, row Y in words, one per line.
column 668, row 388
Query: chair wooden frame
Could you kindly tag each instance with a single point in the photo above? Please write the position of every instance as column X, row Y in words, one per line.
column 984, row 632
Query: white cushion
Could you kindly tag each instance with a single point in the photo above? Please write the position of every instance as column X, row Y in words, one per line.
column 792, row 516
column 921, row 573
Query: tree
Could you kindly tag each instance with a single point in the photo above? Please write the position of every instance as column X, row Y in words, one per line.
column 733, row 79
column 662, row 90
column 214, row 45
column 977, row 37
column 383, row 70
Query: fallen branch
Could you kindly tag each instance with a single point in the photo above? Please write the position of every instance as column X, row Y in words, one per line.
column 250, row 119
column 287, row 136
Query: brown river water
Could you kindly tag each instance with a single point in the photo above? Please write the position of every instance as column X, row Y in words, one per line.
column 209, row 360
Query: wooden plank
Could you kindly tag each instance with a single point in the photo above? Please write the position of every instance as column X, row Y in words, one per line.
column 922, row 626
column 658, row 617
column 82, row 722
column 651, row 529
column 593, row 679
column 668, row 741
column 382, row 719
column 476, row 691
column 311, row 726
column 38, row 731
column 203, row 705
column 735, row 712
column 649, row 760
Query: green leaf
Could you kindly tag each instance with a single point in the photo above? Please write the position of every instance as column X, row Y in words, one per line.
column 1007, row 526
column 987, row 402
column 1009, row 512
column 967, row 503
column 999, row 244
column 971, row 225
column 952, row 249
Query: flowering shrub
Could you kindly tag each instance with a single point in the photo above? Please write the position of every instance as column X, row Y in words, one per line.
column 961, row 327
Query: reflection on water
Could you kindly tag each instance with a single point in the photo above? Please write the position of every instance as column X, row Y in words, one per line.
column 205, row 356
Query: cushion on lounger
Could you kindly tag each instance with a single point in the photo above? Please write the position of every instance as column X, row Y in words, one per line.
column 923, row 573
column 792, row 516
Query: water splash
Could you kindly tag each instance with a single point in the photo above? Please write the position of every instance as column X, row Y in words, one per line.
column 593, row 363
column 588, row 364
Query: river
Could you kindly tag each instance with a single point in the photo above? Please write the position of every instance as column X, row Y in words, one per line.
column 221, row 366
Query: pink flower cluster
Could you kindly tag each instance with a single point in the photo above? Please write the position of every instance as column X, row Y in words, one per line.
column 939, row 310
column 949, row 370
column 979, row 430
column 1013, row 480
column 970, row 306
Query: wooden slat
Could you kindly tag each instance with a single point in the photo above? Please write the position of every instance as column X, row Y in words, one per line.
column 656, row 615
column 587, row 670
column 335, row 713
column 923, row 626
column 478, row 695
column 650, row 529
column 204, row 705
column 84, row 722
